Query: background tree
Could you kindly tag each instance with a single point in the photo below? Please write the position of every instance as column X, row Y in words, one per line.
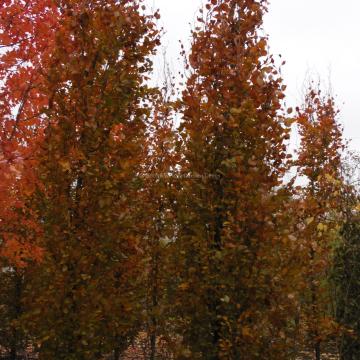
column 319, row 162
column 159, row 193
column 345, row 268
column 345, row 275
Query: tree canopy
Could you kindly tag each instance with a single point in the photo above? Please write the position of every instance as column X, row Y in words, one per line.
column 177, row 223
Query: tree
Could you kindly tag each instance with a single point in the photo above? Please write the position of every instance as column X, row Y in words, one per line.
column 345, row 267
column 232, row 202
column 345, row 274
column 85, row 293
column 27, row 34
column 116, row 227
column 159, row 195
column 319, row 162
column 27, row 31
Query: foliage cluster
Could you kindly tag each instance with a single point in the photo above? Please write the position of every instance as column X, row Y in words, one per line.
column 116, row 225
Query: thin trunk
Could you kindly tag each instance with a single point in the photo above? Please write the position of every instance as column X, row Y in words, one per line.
column 17, row 308
column 216, row 324
column 13, row 349
column 317, row 350
column 117, row 354
column 153, row 345
column 155, row 302
column 315, row 335
column 155, row 284
column 215, row 302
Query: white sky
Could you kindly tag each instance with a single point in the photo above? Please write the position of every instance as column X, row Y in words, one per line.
column 316, row 36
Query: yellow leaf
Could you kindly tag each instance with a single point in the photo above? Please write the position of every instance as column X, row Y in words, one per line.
column 246, row 331
column 235, row 111
column 289, row 122
column 225, row 299
column 292, row 238
column 186, row 353
column 65, row 165
column 184, row 286
column 329, row 177
column 321, row 227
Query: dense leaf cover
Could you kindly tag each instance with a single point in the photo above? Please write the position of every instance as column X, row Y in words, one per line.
column 194, row 241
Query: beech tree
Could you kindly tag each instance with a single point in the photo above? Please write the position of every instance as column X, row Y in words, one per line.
column 319, row 162
column 85, row 293
column 232, row 232
column 159, row 196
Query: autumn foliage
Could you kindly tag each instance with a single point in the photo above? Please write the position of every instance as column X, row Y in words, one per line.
column 120, row 227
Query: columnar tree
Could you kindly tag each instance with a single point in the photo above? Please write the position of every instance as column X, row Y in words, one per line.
column 159, row 196
column 86, row 292
column 319, row 163
column 347, row 296
column 231, row 290
column 345, row 269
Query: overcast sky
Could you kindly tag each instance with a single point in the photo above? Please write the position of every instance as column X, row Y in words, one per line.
column 316, row 36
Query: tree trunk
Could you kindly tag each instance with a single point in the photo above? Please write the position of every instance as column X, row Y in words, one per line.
column 117, row 354
column 317, row 351
column 17, row 308
column 13, row 352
